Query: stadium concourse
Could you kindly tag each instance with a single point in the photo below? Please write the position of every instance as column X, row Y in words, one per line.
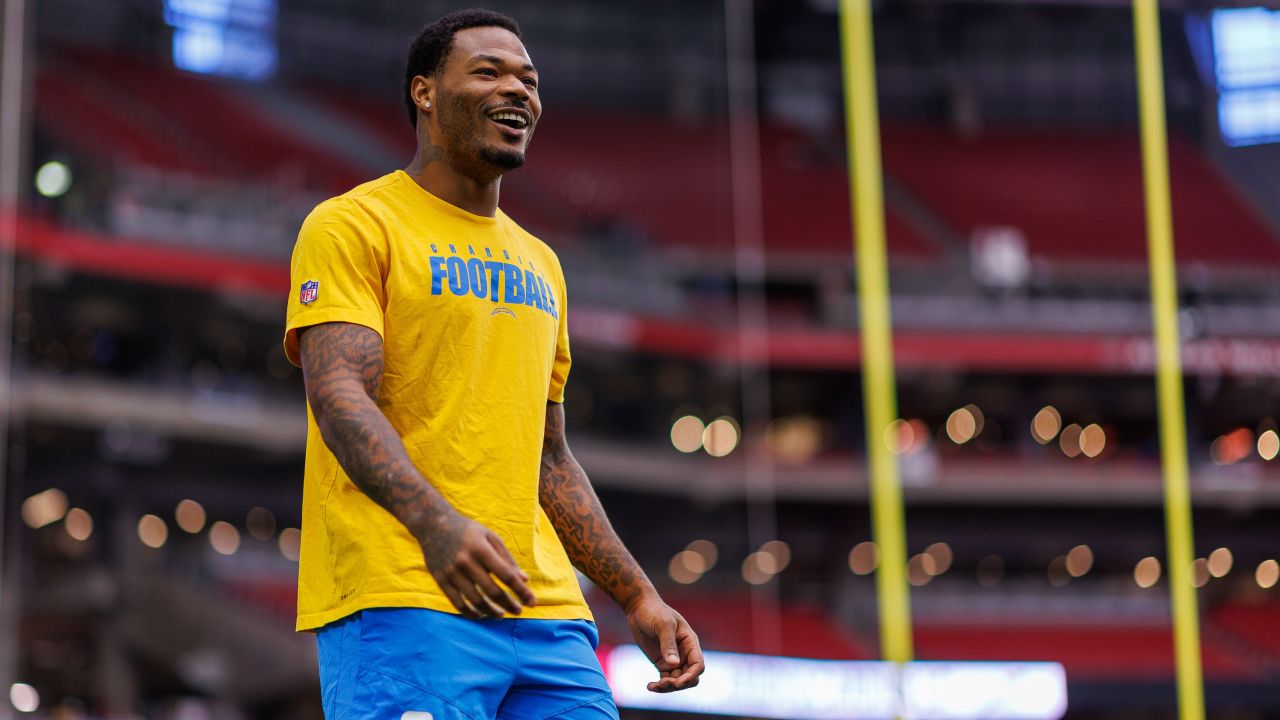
column 158, row 429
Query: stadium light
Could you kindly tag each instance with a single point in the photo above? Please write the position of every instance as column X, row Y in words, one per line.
column 53, row 179
column 152, row 531
column 290, row 542
column 24, row 698
column 190, row 516
column 224, row 538
column 78, row 524
column 44, row 508
column 686, row 434
column 1267, row 574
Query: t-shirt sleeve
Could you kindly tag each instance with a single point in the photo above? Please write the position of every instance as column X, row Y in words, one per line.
column 337, row 272
column 560, row 367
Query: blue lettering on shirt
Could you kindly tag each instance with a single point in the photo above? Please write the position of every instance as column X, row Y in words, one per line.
column 458, row 283
column 495, row 273
column 479, row 281
column 438, row 273
column 499, row 282
column 514, row 284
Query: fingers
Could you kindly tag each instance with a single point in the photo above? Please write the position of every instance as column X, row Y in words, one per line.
column 509, row 572
column 687, row 674
column 458, row 601
column 669, row 659
column 691, row 651
column 483, row 606
column 490, row 591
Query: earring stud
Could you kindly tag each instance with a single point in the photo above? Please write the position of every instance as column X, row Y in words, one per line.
column 426, row 105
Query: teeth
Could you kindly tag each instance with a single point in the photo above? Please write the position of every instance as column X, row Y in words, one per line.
column 519, row 119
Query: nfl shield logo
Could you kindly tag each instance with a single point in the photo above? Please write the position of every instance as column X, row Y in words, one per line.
column 310, row 290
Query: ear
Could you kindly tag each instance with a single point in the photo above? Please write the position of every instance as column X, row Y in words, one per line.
column 422, row 90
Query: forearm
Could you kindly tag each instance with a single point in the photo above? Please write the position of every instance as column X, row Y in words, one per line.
column 588, row 537
column 373, row 456
column 342, row 367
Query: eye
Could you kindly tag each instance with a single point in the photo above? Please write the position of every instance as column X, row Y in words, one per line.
column 531, row 82
column 487, row 71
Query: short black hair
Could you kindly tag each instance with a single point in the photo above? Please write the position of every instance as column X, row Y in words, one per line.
column 435, row 40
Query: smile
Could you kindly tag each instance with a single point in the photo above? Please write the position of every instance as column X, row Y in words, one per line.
column 514, row 120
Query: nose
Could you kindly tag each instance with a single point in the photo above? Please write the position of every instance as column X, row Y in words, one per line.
column 515, row 88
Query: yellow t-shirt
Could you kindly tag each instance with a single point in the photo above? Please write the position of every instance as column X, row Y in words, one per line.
column 471, row 310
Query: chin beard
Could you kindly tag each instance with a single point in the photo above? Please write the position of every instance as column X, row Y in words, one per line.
column 503, row 157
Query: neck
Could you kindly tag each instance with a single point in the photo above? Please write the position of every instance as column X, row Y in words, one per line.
column 433, row 171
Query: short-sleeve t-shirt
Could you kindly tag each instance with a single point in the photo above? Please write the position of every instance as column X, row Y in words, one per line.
column 471, row 311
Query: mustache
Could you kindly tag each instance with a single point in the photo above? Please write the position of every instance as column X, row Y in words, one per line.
column 512, row 105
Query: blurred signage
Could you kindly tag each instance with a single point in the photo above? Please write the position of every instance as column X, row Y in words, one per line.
column 1246, row 66
column 232, row 38
column 801, row 689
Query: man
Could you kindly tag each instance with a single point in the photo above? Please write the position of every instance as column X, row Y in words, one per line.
column 441, row 501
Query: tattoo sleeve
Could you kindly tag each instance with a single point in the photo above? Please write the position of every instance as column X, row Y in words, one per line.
column 342, row 370
column 574, row 509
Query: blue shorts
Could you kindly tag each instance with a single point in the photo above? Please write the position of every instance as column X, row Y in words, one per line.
column 415, row 664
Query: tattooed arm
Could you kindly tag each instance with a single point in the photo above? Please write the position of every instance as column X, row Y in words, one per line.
column 574, row 509
column 342, row 370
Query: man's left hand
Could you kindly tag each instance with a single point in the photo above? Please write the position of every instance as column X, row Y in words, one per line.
column 669, row 642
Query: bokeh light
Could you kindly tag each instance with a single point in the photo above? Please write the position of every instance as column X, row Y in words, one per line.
column 780, row 552
column 686, row 567
column 920, row 569
column 78, row 524
column 44, row 508
column 152, row 531
column 53, row 179
column 1046, row 424
column 962, row 426
column 1069, row 440
column 941, row 555
column 686, row 434
column 190, row 516
column 261, row 523
column 863, row 558
column 1093, row 440
column 1200, row 572
column 1079, row 560
column 1268, row 445
column 1147, row 572
column 290, row 543
column 1267, row 574
column 1233, row 447
column 990, row 570
column 758, row 568
column 707, row 549
column 224, row 538
column 720, row 437
column 1219, row 562
column 24, row 698
column 794, row 439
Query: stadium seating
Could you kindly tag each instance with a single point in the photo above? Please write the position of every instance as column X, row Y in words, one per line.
column 1075, row 196
column 247, row 142
column 1257, row 624
column 61, row 108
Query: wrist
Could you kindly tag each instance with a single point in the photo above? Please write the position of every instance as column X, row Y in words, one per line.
column 637, row 597
column 431, row 520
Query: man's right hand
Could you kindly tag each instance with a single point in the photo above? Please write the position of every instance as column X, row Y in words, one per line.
column 465, row 558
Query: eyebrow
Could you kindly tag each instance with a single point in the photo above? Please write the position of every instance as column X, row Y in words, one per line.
column 499, row 61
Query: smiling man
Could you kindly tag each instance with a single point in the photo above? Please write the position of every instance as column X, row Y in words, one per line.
column 443, row 513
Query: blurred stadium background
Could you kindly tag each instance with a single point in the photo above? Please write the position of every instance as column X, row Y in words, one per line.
column 167, row 150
